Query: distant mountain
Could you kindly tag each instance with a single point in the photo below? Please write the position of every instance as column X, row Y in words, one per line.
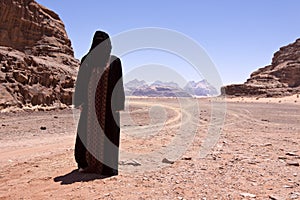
column 167, row 84
column 135, row 84
column 201, row 88
column 169, row 89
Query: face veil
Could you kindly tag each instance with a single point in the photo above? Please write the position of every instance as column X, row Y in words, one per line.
column 100, row 50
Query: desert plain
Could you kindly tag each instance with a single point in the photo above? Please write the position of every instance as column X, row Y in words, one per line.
column 255, row 153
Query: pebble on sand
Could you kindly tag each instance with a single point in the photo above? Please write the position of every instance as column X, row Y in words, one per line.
column 291, row 154
column 293, row 163
column 248, row 195
column 168, row 161
column 273, row 197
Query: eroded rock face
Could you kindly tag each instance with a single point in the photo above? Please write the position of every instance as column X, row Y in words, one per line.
column 36, row 58
column 26, row 25
column 281, row 78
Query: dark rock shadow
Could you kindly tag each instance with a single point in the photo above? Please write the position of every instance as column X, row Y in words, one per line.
column 75, row 176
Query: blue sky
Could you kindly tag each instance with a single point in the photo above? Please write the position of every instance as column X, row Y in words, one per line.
column 239, row 36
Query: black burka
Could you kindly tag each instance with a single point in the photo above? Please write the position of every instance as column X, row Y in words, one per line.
column 115, row 99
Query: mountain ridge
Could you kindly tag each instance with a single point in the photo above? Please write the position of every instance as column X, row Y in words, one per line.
column 168, row 89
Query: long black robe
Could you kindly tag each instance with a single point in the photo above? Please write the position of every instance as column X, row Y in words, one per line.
column 115, row 99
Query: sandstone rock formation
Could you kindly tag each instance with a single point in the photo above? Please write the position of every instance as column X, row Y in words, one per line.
column 281, row 78
column 26, row 25
column 36, row 58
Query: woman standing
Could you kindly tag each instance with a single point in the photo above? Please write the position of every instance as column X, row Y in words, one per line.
column 99, row 93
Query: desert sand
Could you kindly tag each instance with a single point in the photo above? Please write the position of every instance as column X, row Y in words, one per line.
column 256, row 155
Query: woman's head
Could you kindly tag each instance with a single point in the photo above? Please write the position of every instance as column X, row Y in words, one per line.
column 100, row 49
column 101, row 37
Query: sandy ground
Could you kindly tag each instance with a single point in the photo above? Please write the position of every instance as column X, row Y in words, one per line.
column 257, row 154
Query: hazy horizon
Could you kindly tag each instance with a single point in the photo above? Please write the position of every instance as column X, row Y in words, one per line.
column 166, row 81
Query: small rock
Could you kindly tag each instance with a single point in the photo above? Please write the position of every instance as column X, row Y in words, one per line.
column 167, row 161
column 43, row 128
column 248, row 195
column 253, row 162
column 267, row 145
column 291, row 154
column 282, row 157
column 293, row 163
column 186, row 158
column 288, row 186
column 55, row 117
column 265, row 120
column 273, row 197
column 131, row 162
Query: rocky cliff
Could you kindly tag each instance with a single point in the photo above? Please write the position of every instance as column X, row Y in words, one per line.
column 281, row 78
column 36, row 57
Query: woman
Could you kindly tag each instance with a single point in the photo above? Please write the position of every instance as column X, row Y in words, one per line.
column 99, row 93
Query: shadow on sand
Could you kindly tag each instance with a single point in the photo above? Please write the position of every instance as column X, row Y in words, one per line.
column 75, row 176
